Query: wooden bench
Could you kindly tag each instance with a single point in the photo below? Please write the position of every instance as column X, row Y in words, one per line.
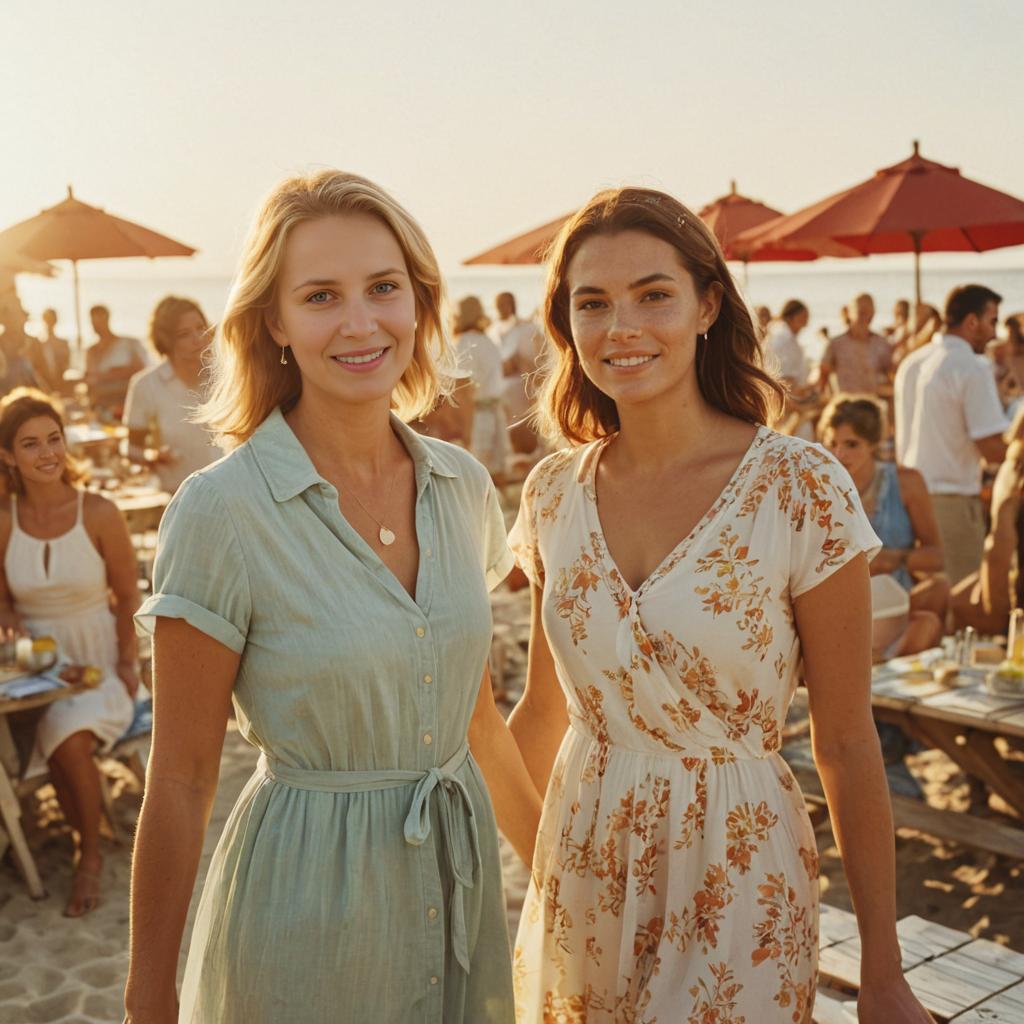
column 956, row 977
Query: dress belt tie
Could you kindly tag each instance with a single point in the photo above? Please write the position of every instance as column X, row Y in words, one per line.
column 462, row 843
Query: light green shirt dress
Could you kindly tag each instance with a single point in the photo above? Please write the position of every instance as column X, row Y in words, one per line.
column 358, row 876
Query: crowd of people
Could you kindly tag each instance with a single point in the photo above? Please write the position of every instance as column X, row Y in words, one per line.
column 69, row 567
column 702, row 508
column 926, row 417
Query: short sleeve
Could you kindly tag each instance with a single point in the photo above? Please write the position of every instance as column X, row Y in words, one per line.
column 199, row 574
column 522, row 538
column 827, row 523
column 983, row 412
column 498, row 560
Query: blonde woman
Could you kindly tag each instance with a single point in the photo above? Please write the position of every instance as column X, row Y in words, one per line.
column 330, row 576
column 684, row 559
column 161, row 400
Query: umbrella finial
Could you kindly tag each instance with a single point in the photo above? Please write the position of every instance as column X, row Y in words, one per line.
column 917, row 148
column 71, row 194
column 732, row 186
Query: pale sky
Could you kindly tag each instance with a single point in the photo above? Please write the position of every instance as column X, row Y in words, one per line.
column 486, row 119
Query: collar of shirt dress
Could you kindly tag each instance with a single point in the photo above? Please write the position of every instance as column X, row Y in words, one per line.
column 290, row 471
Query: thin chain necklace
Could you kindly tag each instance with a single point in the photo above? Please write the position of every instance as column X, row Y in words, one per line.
column 387, row 537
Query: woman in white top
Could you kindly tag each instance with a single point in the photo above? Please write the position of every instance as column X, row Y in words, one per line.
column 64, row 553
column 482, row 358
column 160, row 400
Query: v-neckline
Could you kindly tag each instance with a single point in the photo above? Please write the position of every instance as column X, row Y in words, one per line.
column 678, row 552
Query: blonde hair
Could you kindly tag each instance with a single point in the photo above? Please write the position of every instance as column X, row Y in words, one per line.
column 469, row 315
column 247, row 380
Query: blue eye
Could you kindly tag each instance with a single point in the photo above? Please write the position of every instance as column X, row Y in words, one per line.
column 383, row 288
column 319, row 298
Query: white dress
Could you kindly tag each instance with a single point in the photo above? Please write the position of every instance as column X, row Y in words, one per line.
column 66, row 597
column 675, row 874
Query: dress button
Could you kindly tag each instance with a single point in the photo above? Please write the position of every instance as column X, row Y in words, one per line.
column 429, row 552
column 433, row 979
column 428, row 679
column 432, row 913
column 428, row 739
column 421, row 632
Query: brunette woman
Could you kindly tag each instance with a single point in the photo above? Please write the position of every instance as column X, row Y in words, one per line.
column 69, row 572
column 684, row 560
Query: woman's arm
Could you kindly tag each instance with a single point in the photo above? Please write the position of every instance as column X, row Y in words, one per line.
column 516, row 801
column 834, row 625
column 540, row 719
column 927, row 556
column 193, row 679
column 1001, row 542
column 9, row 617
column 115, row 545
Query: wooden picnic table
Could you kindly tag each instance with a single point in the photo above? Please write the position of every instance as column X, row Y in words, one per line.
column 10, row 806
column 957, row 978
column 964, row 721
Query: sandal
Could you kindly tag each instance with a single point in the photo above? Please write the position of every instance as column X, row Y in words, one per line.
column 85, row 894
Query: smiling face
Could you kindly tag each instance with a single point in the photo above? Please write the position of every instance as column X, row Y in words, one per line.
column 345, row 308
column 852, row 450
column 38, row 451
column 635, row 316
column 190, row 338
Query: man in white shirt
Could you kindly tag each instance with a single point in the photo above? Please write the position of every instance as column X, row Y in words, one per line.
column 781, row 344
column 949, row 419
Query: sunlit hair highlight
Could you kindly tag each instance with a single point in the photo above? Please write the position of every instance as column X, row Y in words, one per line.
column 247, row 380
column 16, row 409
column 730, row 371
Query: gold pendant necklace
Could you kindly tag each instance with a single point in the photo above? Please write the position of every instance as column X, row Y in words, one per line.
column 387, row 537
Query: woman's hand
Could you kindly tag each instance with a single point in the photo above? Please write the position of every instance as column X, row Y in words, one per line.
column 129, row 675
column 890, row 1003
column 165, row 1013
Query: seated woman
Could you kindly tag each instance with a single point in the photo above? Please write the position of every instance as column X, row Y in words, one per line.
column 984, row 599
column 900, row 510
column 64, row 553
column 160, row 400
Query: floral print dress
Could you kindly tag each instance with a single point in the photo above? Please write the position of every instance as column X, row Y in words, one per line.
column 675, row 875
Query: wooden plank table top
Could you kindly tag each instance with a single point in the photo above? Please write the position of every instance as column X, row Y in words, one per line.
column 957, row 978
column 962, row 719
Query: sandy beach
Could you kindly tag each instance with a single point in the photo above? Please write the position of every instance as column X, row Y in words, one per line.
column 53, row 969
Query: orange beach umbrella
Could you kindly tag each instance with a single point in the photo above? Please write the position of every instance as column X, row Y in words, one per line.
column 915, row 206
column 523, row 249
column 73, row 230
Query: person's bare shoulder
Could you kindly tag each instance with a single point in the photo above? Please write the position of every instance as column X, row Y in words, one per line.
column 99, row 511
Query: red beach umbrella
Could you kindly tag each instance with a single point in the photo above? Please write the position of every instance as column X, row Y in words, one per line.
column 728, row 216
column 915, row 206
column 731, row 215
column 523, row 249
column 73, row 230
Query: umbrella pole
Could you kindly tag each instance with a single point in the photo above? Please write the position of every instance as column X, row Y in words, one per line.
column 78, row 306
column 916, row 236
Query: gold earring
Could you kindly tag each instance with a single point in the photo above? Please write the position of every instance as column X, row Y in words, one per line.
column 284, row 358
